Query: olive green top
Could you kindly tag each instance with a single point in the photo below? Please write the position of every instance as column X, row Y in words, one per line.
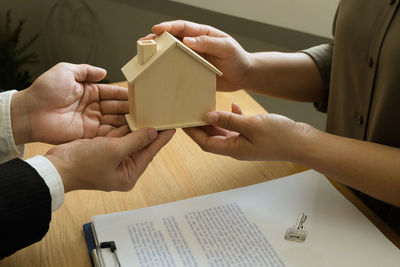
column 361, row 71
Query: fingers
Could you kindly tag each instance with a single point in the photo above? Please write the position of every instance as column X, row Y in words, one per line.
column 231, row 145
column 112, row 92
column 145, row 156
column 135, row 141
column 150, row 36
column 236, row 109
column 181, row 28
column 113, row 120
column 210, row 130
column 114, row 107
column 199, row 135
column 229, row 121
column 118, row 132
column 214, row 46
column 86, row 73
column 104, row 129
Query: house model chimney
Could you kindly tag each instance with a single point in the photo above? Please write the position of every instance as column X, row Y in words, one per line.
column 145, row 50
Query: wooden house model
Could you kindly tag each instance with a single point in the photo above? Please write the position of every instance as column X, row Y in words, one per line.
column 170, row 86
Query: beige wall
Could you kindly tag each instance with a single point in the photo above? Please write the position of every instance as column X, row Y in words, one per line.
column 311, row 16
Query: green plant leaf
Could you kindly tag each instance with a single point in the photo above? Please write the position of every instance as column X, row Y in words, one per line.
column 14, row 56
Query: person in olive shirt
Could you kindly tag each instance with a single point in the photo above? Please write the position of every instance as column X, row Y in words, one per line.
column 356, row 80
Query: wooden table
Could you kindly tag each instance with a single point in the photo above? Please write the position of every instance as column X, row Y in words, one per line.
column 181, row 170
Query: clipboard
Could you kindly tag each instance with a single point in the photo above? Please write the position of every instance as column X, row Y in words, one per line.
column 91, row 244
column 94, row 247
column 335, row 227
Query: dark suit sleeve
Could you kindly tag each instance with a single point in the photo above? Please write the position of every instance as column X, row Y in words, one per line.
column 25, row 206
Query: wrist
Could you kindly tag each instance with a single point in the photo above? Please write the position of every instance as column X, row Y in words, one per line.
column 63, row 172
column 259, row 74
column 20, row 121
column 305, row 143
column 249, row 72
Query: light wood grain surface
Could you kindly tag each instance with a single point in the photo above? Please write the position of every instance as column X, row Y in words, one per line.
column 181, row 170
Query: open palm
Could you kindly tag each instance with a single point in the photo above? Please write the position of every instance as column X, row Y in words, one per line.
column 65, row 104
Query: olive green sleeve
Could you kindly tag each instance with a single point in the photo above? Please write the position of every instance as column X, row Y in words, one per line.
column 322, row 56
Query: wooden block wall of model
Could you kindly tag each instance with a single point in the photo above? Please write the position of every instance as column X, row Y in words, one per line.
column 170, row 86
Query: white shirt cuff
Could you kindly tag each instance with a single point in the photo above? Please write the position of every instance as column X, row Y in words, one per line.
column 51, row 177
column 8, row 149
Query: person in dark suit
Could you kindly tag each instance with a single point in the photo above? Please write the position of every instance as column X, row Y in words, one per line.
column 65, row 106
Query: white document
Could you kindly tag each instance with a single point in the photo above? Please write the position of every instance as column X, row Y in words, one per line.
column 246, row 227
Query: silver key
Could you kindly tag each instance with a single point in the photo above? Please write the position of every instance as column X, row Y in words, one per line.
column 297, row 232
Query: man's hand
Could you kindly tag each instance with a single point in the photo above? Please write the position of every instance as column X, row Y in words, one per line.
column 65, row 104
column 110, row 163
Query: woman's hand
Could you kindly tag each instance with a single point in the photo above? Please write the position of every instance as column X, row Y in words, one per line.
column 217, row 47
column 260, row 137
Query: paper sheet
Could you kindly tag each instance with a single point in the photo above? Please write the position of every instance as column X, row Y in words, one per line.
column 246, row 227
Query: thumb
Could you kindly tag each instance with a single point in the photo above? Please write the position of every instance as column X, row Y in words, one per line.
column 214, row 46
column 136, row 141
column 88, row 73
column 229, row 121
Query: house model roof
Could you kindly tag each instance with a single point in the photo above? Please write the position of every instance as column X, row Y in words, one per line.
column 132, row 70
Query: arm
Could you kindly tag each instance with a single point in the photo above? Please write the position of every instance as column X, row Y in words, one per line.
column 371, row 168
column 368, row 167
column 25, row 206
column 292, row 76
column 114, row 162
column 8, row 149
